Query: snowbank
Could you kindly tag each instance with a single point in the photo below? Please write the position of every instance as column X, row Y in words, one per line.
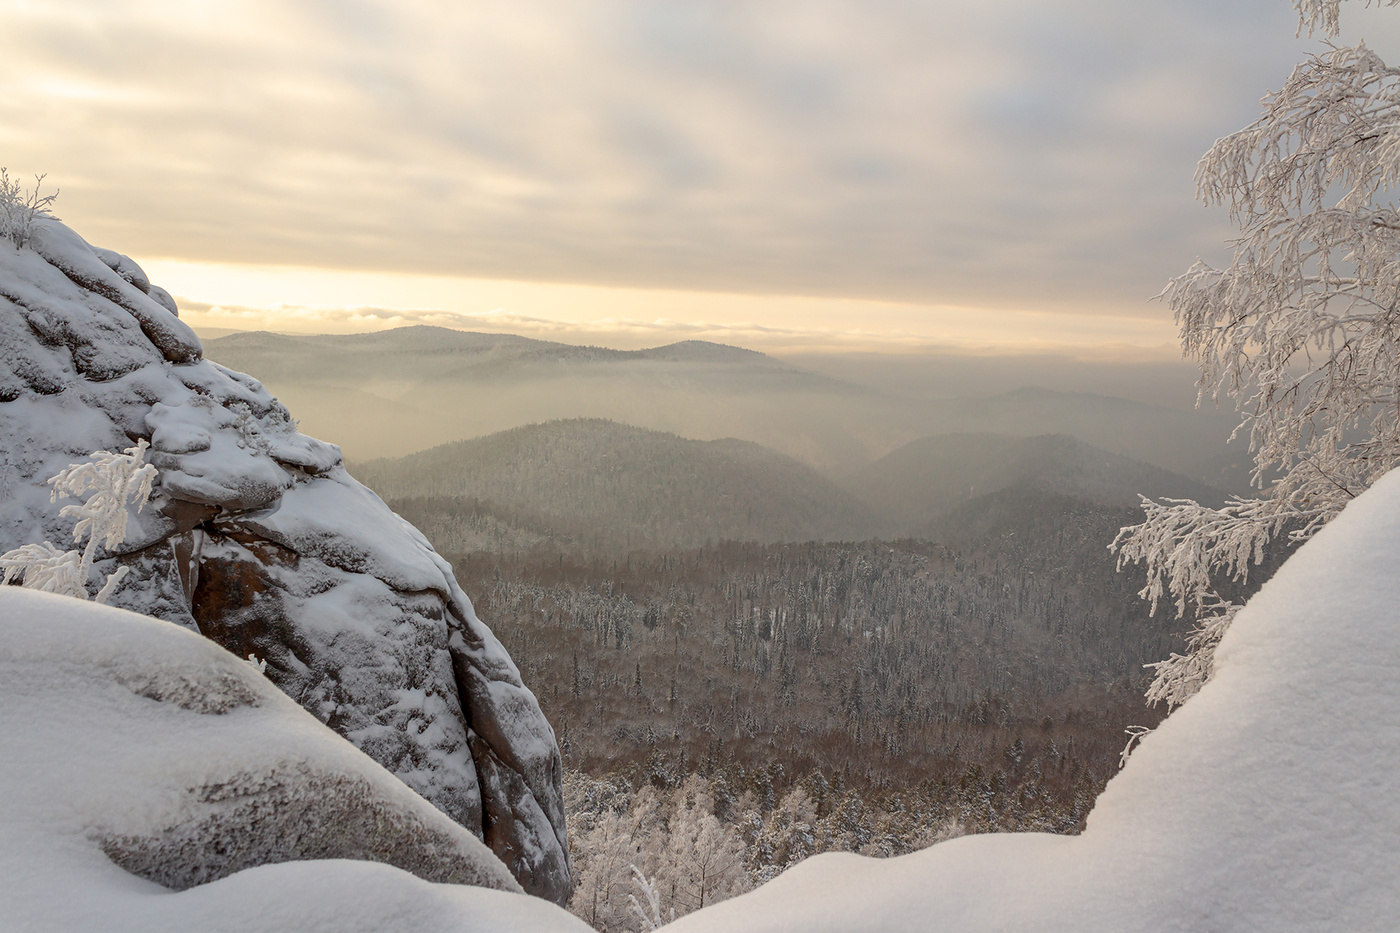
column 134, row 752
column 1268, row 802
column 259, row 539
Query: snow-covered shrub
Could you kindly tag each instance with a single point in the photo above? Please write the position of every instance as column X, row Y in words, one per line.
column 649, row 914
column 107, row 484
column 20, row 208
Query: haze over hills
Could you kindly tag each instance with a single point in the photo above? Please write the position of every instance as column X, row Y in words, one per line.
column 937, row 475
column 396, row 392
column 601, row 483
column 590, row 483
column 391, row 393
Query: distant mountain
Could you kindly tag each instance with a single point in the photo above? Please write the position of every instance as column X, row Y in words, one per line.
column 936, row 475
column 1192, row 443
column 595, row 482
column 421, row 353
column 394, row 392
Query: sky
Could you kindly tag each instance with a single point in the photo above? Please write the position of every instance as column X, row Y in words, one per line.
column 971, row 177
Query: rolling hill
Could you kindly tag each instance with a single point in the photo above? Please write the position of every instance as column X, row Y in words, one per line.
column 937, row 475
column 395, row 392
column 596, row 482
column 392, row 393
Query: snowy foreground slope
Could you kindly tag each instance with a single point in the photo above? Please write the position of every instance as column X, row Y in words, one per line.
column 260, row 540
column 142, row 766
column 1270, row 801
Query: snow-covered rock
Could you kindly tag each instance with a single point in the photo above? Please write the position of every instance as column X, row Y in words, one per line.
column 1269, row 801
column 260, row 540
column 138, row 760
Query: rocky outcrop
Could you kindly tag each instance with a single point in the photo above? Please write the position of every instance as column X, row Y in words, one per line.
column 259, row 539
column 151, row 782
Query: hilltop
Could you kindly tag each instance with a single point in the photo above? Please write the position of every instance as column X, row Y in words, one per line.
column 600, row 483
column 933, row 476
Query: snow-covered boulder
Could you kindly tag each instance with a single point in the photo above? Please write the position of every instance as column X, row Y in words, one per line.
column 1269, row 801
column 260, row 540
column 138, row 759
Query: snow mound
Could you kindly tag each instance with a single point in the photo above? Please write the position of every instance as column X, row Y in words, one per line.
column 259, row 539
column 133, row 749
column 1267, row 802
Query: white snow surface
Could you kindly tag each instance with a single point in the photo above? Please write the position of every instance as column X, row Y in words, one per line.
column 1269, row 801
column 98, row 740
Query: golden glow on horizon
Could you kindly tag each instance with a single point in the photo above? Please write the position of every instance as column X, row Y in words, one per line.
column 293, row 299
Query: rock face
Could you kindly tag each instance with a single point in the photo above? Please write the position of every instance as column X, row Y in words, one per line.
column 259, row 539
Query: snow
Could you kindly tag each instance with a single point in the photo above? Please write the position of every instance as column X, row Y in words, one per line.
column 129, row 735
column 1267, row 802
column 75, row 258
column 259, row 538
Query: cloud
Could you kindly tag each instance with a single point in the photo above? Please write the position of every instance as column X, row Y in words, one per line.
column 1009, row 155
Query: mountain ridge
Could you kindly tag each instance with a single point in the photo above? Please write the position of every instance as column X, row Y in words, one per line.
column 936, row 475
column 597, row 480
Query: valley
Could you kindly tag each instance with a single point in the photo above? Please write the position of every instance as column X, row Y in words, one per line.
column 803, row 601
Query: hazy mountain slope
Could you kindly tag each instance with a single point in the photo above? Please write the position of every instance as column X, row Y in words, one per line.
column 1192, row 443
column 935, row 475
column 598, row 482
column 396, row 392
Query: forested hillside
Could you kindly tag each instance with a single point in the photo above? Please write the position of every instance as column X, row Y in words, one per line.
column 937, row 475
column 598, row 484
column 940, row 644
column 589, row 484
column 839, row 652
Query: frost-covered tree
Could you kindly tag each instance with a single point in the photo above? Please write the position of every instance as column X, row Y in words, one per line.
column 106, row 485
column 703, row 859
column 1301, row 331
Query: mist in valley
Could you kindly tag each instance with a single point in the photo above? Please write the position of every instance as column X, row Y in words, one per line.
column 394, row 393
column 879, row 582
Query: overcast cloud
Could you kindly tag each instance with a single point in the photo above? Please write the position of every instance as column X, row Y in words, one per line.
column 1022, row 154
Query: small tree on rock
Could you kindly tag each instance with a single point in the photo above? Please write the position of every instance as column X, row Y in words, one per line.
column 107, row 485
column 19, row 209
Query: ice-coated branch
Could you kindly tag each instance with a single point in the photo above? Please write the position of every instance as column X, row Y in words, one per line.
column 44, row 567
column 107, row 484
column 1301, row 331
column 648, row 915
column 1184, row 543
column 1314, row 15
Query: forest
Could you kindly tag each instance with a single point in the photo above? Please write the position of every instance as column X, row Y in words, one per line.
column 823, row 696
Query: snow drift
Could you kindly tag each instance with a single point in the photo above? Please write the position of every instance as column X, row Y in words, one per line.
column 134, row 750
column 1267, row 802
column 260, row 540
